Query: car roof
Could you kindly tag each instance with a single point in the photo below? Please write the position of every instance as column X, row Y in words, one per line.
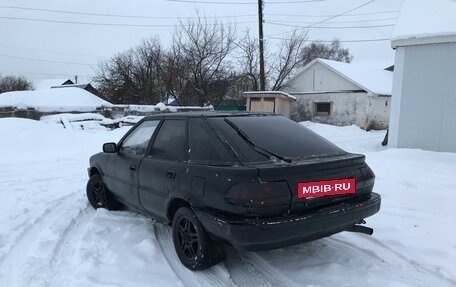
column 198, row 114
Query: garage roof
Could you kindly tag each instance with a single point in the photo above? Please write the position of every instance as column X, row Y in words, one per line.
column 425, row 22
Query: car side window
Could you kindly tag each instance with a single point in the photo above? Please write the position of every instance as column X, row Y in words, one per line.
column 170, row 142
column 137, row 141
column 204, row 146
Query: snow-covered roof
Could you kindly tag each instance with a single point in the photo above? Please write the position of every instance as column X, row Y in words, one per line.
column 268, row 93
column 52, row 100
column 425, row 22
column 49, row 83
column 375, row 81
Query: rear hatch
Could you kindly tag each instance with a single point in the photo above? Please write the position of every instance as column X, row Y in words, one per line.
column 285, row 151
column 330, row 173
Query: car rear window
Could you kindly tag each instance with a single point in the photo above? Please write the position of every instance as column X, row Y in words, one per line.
column 277, row 135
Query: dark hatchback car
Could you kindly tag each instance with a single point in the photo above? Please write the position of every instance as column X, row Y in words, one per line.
column 255, row 181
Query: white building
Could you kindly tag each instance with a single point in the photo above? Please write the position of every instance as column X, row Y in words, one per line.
column 424, row 87
column 341, row 94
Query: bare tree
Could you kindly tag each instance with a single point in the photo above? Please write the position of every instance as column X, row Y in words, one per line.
column 133, row 76
column 288, row 59
column 203, row 48
column 332, row 51
column 249, row 59
column 279, row 65
column 292, row 53
column 196, row 69
column 176, row 75
column 14, row 83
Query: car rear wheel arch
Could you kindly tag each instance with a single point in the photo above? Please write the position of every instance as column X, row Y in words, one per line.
column 174, row 205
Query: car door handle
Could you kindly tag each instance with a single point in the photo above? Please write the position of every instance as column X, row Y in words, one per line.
column 132, row 167
column 170, row 174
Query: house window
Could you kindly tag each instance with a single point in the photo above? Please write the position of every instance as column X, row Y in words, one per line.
column 322, row 109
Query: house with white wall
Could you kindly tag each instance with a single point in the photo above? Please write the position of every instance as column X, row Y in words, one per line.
column 340, row 93
column 424, row 86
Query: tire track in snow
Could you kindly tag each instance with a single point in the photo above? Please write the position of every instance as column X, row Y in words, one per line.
column 15, row 257
column 31, row 226
column 249, row 269
column 244, row 268
column 67, row 244
column 212, row 277
column 395, row 255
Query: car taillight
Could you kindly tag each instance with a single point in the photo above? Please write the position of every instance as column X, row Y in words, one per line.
column 368, row 175
column 259, row 194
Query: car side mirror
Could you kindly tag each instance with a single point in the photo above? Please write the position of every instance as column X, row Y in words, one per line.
column 110, row 148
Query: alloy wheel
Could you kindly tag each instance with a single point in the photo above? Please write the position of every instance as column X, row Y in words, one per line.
column 188, row 238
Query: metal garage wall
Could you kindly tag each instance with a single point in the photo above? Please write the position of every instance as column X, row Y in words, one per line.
column 424, row 102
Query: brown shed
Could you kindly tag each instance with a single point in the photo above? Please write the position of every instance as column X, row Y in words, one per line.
column 269, row 101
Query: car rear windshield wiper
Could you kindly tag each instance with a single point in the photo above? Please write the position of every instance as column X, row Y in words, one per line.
column 271, row 155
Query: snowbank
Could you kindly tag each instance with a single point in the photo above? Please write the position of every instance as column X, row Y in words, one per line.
column 147, row 108
column 54, row 100
column 89, row 121
column 162, row 107
column 24, row 140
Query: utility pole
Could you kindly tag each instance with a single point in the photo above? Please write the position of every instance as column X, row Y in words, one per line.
column 260, row 26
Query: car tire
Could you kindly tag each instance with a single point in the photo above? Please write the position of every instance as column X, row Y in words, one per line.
column 193, row 246
column 99, row 196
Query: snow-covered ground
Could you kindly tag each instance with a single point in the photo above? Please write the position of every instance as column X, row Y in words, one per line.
column 49, row 236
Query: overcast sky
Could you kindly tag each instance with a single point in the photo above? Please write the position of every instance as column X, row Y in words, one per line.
column 38, row 40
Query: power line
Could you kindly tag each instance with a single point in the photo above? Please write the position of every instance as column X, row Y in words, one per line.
column 342, row 41
column 331, row 27
column 243, row 3
column 320, row 16
column 337, row 22
column 44, row 74
column 114, row 15
column 335, row 16
column 108, row 24
column 44, row 60
column 327, row 19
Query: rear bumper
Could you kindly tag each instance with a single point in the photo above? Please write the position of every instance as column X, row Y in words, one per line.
column 265, row 234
